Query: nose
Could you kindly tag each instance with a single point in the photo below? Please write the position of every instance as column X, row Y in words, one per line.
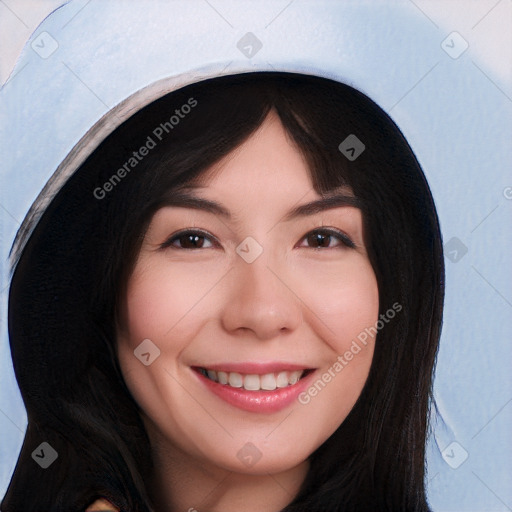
column 261, row 300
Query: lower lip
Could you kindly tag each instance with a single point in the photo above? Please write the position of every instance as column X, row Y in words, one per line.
column 257, row 401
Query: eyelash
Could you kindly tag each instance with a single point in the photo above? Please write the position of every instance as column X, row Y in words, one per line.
column 342, row 237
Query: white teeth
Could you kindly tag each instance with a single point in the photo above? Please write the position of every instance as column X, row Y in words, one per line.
column 294, row 377
column 253, row 382
column 235, row 380
column 282, row 379
column 268, row 382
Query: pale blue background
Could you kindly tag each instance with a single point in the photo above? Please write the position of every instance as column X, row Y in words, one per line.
column 456, row 114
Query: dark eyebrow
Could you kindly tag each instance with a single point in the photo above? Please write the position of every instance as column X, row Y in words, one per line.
column 324, row 203
column 198, row 203
column 185, row 199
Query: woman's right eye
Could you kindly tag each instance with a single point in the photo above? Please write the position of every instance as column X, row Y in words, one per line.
column 188, row 239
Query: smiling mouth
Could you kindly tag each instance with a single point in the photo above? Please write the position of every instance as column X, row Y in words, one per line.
column 255, row 382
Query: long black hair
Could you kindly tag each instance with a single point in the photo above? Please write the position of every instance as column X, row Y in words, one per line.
column 71, row 275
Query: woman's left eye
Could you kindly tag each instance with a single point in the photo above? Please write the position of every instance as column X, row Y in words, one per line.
column 321, row 238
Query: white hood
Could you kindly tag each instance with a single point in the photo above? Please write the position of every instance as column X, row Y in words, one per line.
column 90, row 65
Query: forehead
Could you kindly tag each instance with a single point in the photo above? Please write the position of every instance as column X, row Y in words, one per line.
column 268, row 161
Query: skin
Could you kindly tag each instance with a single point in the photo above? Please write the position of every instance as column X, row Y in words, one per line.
column 296, row 303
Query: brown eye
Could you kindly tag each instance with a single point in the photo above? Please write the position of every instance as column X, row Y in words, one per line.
column 319, row 239
column 191, row 241
column 188, row 240
column 322, row 238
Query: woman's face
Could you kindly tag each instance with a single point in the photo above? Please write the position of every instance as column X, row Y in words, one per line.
column 228, row 306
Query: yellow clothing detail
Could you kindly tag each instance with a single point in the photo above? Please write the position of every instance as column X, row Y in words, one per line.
column 101, row 505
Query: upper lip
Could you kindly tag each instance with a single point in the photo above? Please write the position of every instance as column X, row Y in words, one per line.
column 258, row 368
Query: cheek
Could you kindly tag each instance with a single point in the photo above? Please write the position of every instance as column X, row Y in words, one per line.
column 160, row 295
column 346, row 307
column 346, row 301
